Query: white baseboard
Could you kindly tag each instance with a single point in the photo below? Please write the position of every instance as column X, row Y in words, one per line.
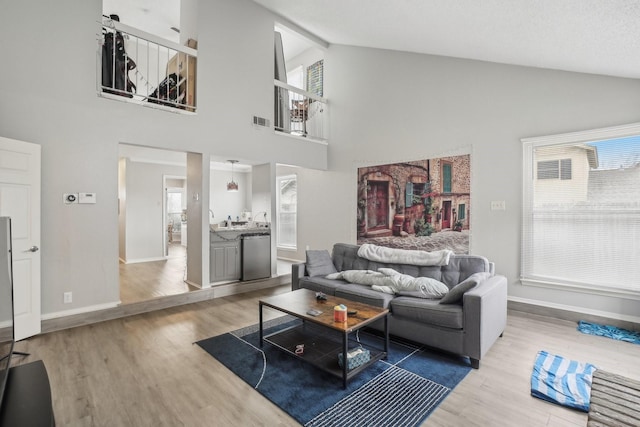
column 545, row 307
column 295, row 261
column 82, row 310
column 135, row 261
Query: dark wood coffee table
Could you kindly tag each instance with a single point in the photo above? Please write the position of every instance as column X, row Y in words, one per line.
column 322, row 337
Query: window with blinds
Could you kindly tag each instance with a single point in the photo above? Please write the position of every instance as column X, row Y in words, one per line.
column 581, row 211
column 315, row 77
column 287, row 207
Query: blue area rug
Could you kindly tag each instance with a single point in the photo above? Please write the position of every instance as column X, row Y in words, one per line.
column 609, row 331
column 400, row 391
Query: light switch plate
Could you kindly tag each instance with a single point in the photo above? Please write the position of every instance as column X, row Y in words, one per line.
column 87, row 197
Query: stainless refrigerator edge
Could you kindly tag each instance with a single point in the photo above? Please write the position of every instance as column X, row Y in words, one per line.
column 256, row 256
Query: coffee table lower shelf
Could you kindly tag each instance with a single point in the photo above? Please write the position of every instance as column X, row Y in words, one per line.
column 321, row 348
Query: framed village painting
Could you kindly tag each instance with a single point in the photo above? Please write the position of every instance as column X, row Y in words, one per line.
column 423, row 204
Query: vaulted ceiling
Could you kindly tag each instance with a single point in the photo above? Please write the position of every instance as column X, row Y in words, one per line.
column 589, row 36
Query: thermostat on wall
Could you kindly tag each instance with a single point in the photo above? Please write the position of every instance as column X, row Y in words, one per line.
column 87, row 198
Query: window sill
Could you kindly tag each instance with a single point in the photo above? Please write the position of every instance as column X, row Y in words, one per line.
column 583, row 288
column 288, row 248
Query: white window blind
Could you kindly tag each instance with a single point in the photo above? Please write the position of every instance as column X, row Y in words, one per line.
column 581, row 211
column 287, row 207
column 315, row 78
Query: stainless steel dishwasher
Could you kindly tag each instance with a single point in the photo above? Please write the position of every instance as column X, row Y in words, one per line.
column 256, row 256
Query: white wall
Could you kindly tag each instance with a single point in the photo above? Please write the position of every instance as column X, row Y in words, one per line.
column 144, row 209
column 305, row 59
column 224, row 203
column 391, row 106
column 384, row 107
column 79, row 132
column 263, row 197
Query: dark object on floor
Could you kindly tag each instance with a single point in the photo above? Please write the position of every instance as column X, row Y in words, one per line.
column 27, row 400
column 615, row 401
column 609, row 331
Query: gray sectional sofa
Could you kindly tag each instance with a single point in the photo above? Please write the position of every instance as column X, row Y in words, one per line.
column 468, row 325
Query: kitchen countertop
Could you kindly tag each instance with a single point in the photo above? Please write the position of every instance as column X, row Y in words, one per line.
column 232, row 233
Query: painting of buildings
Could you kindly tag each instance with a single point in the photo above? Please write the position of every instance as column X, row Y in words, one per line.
column 423, row 204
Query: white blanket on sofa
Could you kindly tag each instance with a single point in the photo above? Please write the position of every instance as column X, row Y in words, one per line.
column 391, row 282
column 404, row 256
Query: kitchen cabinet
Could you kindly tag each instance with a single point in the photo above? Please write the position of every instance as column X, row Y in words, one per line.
column 225, row 253
column 224, row 260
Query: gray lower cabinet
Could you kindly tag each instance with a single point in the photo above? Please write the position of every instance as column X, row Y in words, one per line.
column 224, row 261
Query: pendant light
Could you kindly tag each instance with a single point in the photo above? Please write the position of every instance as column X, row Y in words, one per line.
column 232, row 185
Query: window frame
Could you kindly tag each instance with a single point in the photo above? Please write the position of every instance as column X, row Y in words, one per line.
column 530, row 176
column 462, row 211
column 279, row 245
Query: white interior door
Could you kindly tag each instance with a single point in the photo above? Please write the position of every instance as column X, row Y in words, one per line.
column 20, row 200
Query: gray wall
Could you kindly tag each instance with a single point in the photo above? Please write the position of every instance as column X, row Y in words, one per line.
column 390, row 106
column 384, row 107
column 49, row 98
column 143, row 214
column 224, row 203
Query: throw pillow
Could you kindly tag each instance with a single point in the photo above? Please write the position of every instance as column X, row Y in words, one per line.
column 420, row 287
column 319, row 263
column 454, row 296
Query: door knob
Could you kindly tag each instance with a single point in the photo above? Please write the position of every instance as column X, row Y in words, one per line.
column 34, row 249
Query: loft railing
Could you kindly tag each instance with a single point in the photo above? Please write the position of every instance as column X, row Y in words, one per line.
column 144, row 68
column 298, row 112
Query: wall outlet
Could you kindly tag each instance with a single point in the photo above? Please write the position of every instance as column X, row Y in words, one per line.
column 68, row 297
column 498, row 205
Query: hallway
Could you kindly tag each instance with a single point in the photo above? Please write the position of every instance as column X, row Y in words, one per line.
column 147, row 280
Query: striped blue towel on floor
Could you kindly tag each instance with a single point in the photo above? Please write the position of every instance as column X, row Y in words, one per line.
column 609, row 331
column 562, row 381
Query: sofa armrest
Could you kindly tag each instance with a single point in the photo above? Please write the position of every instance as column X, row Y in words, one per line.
column 485, row 315
column 297, row 271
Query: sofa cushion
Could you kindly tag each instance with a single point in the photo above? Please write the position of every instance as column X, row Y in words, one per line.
column 321, row 284
column 462, row 266
column 421, row 287
column 319, row 263
column 428, row 311
column 454, row 296
column 365, row 294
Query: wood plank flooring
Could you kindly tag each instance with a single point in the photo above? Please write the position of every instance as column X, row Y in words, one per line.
column 146, row 280
column 144, row 370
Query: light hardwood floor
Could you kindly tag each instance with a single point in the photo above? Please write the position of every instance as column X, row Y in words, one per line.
column 144, row 370
column 147, row 280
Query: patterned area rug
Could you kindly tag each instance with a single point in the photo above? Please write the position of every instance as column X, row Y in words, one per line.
column 400, row 391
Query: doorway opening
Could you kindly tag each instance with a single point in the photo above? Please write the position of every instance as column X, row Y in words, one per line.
column 175, row 216
column 152, row 223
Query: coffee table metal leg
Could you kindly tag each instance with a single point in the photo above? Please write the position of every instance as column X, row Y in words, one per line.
column 344, row 359
column 261, row 331
column 386, row 336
